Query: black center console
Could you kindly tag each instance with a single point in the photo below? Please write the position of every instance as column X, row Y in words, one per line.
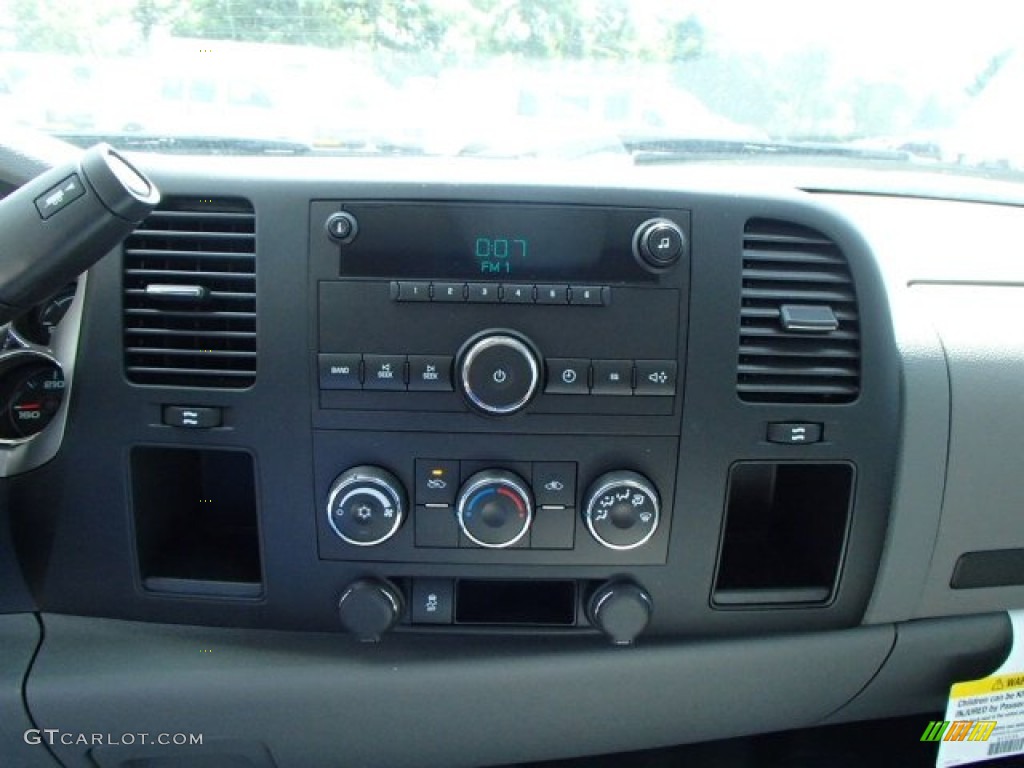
column 489, row 344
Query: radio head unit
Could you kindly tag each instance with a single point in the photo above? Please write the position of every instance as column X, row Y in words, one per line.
column 507, row 242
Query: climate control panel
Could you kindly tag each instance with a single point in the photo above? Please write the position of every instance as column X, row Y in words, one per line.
column 601, row 508
column 494, row 508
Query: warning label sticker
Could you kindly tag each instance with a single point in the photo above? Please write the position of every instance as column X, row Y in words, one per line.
column 985, row 718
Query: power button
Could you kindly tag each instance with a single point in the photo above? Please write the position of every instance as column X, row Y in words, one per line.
column 499, row 374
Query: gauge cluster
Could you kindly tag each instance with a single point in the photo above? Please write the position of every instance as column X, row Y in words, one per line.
column 36, row 362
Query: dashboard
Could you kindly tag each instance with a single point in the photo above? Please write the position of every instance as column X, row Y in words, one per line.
column 357, row 463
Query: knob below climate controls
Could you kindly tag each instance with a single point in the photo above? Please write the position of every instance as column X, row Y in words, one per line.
column 499, row 374
column 494, row 508
column 620, row 609
column 622, row 510
column 370, row 607
column 365, row 505
column 658, row 244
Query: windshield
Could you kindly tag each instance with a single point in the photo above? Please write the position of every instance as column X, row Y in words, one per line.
column 870, row 83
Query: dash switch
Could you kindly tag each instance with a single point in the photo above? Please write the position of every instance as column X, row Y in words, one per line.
column 192, row 417
column 794, row 433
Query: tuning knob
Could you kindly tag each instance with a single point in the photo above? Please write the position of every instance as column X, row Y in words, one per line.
column 370, row 607
column 494, row 508
column 620, row 609
column 621, row 510
column 658, row 244
column 365, row 505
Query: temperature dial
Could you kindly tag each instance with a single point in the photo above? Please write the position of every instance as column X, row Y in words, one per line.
column 494, row 508
column 32, row 388
column 622, row 510
column 365, row 506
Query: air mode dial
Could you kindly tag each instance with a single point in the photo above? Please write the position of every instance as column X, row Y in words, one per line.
column 622, row 510
column 495, row 508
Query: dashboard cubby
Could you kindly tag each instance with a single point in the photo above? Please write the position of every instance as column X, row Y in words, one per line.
column 196, row 522
column 784, row 535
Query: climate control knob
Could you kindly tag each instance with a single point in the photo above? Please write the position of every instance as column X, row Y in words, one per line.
column 365, row 505
column 622, row 510
column 499, row 373
column 494, row 508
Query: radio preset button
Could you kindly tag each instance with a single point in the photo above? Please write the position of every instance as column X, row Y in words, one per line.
column 450, row 292
column 482, row 293
column 411, row 291
column 430, row 373
column 386, row 372
column 339, row 371
column 552, row 294
column 613, row 377
column 499, row 374
column 567, row 376
column 517, row 294
column 587, row 295
column 656, row 377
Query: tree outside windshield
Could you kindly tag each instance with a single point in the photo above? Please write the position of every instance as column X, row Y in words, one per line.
column 523, row 77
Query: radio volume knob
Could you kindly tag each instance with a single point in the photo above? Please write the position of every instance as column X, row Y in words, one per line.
column 622, row 510
column 499, row 373
column 658, row 244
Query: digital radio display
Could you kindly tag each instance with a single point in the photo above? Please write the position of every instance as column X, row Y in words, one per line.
column 494, row 242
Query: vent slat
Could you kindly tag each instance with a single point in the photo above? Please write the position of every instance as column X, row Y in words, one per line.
column 189, row 234
column 791, row 257
column 210, row 341
column 131, row 251
column 170, row 332
column 795, row 295
column 190, row 273
column 172, row 352
column 772, row 312
column 788, row 264
column 215, row 215
column 748, row 331
column 762, row 349
column 796, row 275
column 201, row 372
column 193, row 314
column 775, row 238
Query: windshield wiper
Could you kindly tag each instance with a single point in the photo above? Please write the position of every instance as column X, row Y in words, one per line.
column 652, row 151
column 188, row 144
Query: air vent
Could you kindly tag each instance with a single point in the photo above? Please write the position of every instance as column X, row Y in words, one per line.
column 190, row 295
column 799, row 328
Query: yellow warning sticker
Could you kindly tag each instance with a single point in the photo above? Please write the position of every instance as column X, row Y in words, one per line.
column 985, row 718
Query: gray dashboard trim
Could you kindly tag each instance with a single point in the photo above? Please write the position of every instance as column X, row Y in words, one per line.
column 322, row 699
column 20, row 635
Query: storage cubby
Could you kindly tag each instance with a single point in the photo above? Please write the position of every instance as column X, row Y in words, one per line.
column 196, row 521
column 785, row 529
